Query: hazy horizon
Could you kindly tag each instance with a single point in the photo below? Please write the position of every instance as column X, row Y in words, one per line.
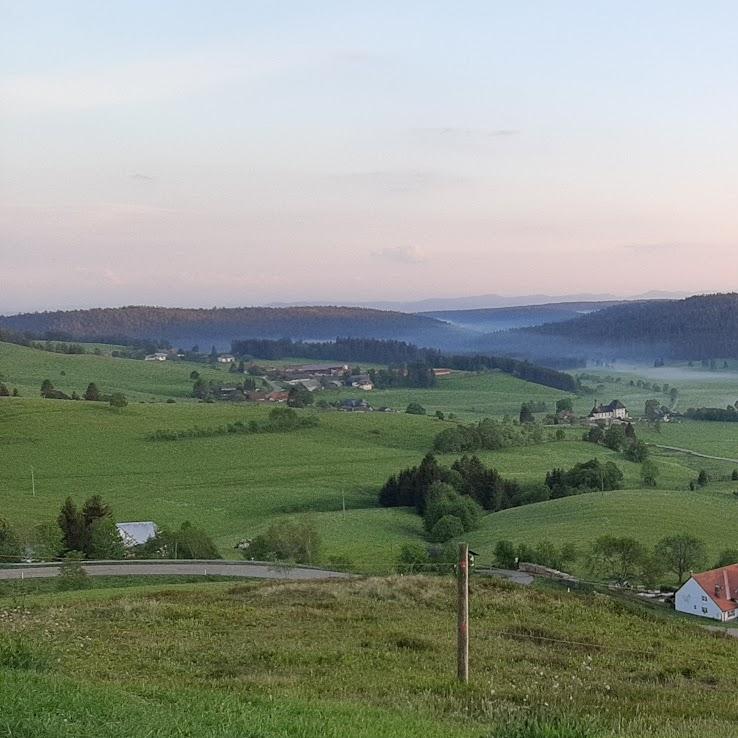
column 455, row 302
column 169, row 154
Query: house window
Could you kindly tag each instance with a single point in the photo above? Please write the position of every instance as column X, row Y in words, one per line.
column 704, row 598
column 704, row 610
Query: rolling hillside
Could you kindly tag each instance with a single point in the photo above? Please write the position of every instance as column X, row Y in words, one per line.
column 236, row 485
column 222, row 325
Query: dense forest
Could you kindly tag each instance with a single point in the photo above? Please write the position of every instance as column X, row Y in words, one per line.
column 698, row 327
column 366, row 350
column 222, row 325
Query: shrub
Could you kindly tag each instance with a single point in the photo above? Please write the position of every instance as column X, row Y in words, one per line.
column 188, row 542
column 286, row 540
column 637, row 452
column 10, row 548
column 445, row 501
column 118, row 401
column 71, row 573
column 446, row 528
column 415, row 408
column 649, row 473
column 615, row 437
column 412, row 557
column 727, row 557
column 505, row 554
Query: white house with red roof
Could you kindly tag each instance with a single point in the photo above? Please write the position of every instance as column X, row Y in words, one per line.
column 711, row 594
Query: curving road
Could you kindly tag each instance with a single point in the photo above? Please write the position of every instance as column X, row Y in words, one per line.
column 693, row 453
column 252, row 570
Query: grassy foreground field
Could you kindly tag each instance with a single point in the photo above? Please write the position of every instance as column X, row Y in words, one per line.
column 370, row 658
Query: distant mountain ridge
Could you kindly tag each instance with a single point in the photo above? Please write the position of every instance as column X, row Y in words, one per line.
column 492, row 301
column 222, row 325
column 488, row 320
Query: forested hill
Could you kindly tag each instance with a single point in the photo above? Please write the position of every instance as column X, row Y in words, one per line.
column 703, row 326
column 222, row 325
column 505, row 318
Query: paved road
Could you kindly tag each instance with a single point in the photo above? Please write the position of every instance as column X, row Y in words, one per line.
column 695, row 453
column 179, row 568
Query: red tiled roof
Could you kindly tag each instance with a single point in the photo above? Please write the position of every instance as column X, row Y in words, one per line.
column 721, row 585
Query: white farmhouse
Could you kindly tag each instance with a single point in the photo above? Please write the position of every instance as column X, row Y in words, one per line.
column 614, row 411
column 158, row 356
column 711, row 594
column 226, row 359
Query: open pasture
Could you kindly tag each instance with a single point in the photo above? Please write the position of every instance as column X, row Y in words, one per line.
column 372, row 658
column 468, row 395
column 26, row 368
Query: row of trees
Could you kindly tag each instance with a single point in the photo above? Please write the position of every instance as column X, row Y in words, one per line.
column 626, row 560
column 414, row 374
column 620, row 559
column 280, row 420
column 91, row 394
column 728, row 415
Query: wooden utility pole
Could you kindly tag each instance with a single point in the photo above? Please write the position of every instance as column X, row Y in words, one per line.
column 463, row 614
column 33, row 482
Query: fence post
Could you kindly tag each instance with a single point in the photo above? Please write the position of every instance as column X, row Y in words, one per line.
column 463, row 614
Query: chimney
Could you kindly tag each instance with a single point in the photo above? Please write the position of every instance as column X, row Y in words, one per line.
column 727, row 584
column 718, row 589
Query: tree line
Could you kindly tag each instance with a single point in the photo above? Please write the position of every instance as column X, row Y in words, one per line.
column 91, row 394
column 402, row 353
column 280, row 420
column 727, row 415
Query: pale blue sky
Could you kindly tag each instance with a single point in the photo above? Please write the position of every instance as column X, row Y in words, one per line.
column 228, row 153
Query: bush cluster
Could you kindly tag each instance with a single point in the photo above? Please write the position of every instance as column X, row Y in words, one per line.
column 281, row 420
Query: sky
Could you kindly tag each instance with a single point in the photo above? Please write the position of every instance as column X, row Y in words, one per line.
column 238, row 152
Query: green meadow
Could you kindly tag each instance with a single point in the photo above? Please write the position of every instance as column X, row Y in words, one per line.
column 368, row 658
column 469, row 396
column 26, row 368
column 236, row 485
